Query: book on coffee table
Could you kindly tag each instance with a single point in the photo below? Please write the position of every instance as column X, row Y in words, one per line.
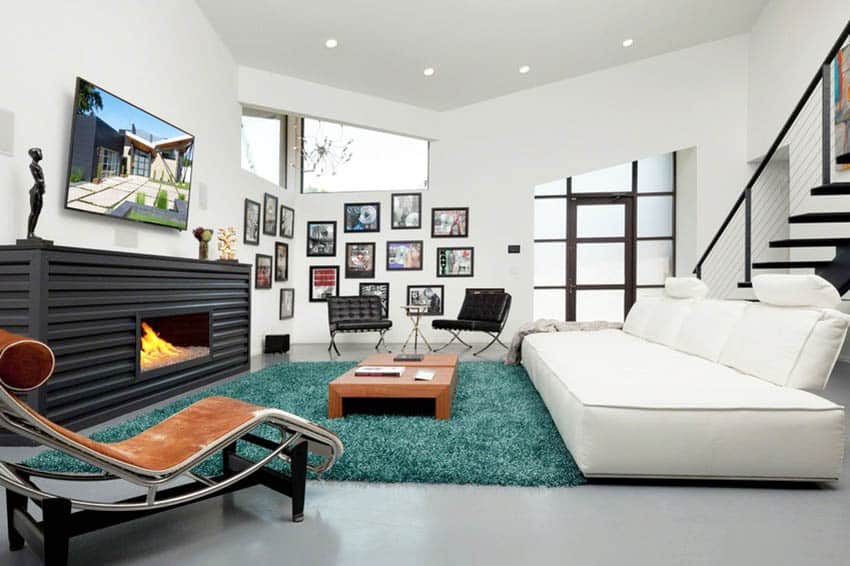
column 379, row 371
column 409, row 358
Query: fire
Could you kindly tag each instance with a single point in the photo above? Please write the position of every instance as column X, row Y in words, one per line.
column 155, row 348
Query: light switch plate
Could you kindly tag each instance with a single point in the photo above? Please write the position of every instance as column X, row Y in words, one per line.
column 7, row 132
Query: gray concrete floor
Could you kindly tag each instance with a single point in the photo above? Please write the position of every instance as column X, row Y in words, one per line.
column 376, row 524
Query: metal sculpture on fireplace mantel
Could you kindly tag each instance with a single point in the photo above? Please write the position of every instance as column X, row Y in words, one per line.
column 36, row 192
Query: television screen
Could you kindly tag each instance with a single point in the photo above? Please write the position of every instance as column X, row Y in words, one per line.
column 127, row 163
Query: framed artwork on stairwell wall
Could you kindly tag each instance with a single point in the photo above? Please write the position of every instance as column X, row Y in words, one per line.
column 287, row 303
column 406, row 211
column 404, row 256
column 251, row 232
column 455, row 262
column 287, row 222
column 360, row 260
column 362, row 217
column 321, row 238
column 263, row 271
column 281, row 261
column 324, row 282
column 449, row 222
column 270, row 214
column 381, row 290
column 432, row 297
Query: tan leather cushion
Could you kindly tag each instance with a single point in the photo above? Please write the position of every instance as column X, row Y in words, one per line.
column 25, row 363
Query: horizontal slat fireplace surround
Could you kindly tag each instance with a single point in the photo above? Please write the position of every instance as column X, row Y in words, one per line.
column 87, row 305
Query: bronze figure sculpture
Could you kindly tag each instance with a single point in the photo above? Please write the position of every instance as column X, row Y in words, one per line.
column 36, row 192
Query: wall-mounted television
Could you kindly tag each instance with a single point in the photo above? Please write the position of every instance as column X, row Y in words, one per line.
column 127, row 163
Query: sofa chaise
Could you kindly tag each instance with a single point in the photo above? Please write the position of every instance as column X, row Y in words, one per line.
column 700, row 388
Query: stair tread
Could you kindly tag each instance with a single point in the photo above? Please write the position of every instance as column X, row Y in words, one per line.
column 819, row 217
column 745, row 285
column 832, row 189
column 790, row 264
column 810, row 242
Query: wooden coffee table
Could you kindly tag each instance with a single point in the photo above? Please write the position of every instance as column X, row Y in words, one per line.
column 441, row 388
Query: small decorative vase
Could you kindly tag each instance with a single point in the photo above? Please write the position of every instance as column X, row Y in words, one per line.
column 204, row 250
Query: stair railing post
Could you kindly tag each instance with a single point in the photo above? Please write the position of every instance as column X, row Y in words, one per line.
column 826, row 121
column 748, row 234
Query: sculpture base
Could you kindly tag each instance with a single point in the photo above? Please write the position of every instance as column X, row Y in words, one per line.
column 34, row 243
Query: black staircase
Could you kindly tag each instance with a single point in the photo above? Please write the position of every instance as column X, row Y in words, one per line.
column 835, row 270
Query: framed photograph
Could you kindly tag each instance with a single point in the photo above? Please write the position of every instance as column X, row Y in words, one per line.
column 362, row 217
column 269, row 214
column 287, row 222
column 281, row 261
column 287, row 303
column 449, row 222
column 406, row 211
column 379, row 290
column 252, row 223
column 404, row 256
column 263, row 272
column 455, row 262
column 324, row 282
column 430, row 296
column 360, row 260
column 321, row 239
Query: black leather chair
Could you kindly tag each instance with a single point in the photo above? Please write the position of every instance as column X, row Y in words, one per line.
column 483, row 310
column 356, row 314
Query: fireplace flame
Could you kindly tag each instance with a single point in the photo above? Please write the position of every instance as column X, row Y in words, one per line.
column 155, row 348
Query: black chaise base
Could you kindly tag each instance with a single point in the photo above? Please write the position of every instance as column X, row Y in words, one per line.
column 50, row 537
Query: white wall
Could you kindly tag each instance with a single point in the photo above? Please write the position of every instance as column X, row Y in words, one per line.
column 489, row 156
column 788, row 43
column 163, row 56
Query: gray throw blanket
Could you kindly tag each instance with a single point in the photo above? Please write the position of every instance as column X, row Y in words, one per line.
column 550, row 325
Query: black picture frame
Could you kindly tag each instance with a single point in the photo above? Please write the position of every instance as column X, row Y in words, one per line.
column 262, row 271
column 442, row 261
column 353, row 216
column 411, row 300
column 281, row 274
column 384, row 294
column 449, row 210
column 291, row 312
column 286, row 217
column 326, row 269
column 251, row 227
column 355, row 270
column 318, row 246
column 396, row 219
column 270, row 204
column 392, row 254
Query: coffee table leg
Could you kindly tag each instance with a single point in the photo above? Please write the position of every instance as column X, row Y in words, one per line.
column 443, row 405
column 334, row 405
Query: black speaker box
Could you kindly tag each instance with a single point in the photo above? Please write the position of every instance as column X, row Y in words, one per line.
column 277, row 343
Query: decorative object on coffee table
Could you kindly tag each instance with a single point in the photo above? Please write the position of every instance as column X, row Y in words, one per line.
column 321, row 238
column 404, row 256
column 281, row 261
column 415, row 313
column 449, row 222
column 360, row 260
column 381, row 290
column 455, row 262
column 203, row 235
column 227, row 244
column 428, row 296
column 269, row 214
column 362, row 217
column 287, row 222
column 406, row 211
column 324, row 282
column 36, row 198
column 251, row 234
column 287, row 303
column 440, row 388
column 263, row 272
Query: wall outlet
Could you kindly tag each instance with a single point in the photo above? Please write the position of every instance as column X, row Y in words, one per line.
column 7, row 132
column 513, row 248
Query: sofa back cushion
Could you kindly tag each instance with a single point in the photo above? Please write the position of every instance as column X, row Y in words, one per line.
column 638, row 318
column 666, row 320
column 768, row 340
column 787, row 290
column 708, row 326
column 820, row 352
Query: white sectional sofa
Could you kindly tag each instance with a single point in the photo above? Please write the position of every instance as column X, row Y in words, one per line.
column 699, row 388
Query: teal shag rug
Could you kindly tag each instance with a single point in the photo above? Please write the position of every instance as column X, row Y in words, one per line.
column 500, row 432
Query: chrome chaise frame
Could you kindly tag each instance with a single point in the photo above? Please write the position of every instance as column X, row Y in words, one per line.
column 49, row 537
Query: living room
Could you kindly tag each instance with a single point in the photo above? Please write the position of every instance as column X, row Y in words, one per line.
column 587, row 258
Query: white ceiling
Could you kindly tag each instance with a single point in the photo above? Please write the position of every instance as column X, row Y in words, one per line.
column 476, row 46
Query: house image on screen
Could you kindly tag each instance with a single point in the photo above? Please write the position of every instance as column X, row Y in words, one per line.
column 130, row 173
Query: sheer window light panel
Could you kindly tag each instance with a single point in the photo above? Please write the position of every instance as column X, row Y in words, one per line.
column 601, row 221
column 550, row 263
column 550, row 218
column 612, row 179
column 550, row 303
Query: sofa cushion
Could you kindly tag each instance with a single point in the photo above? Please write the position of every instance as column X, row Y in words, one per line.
column 820, row 352
column 666, row 320
column 768, row 340
column 685, row 288
column 638, row 318
column 795, row 290
column 707, row 327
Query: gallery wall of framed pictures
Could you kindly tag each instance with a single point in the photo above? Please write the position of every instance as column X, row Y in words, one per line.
column 271, row 218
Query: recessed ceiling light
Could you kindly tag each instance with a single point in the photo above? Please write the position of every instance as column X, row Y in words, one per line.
column 429, row 72
column 628, row 42
column 331, row 43
column 524, row 69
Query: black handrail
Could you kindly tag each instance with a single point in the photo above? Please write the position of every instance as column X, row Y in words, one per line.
column 839, row 43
